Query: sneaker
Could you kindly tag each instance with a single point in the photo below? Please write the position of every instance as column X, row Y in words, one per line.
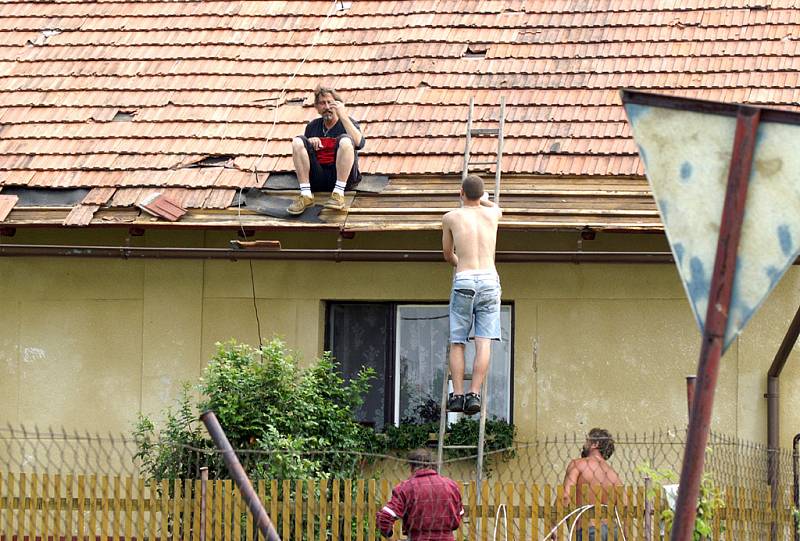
column 300, row 205
column 455, row 404
column 336, row 202
column 472, row 403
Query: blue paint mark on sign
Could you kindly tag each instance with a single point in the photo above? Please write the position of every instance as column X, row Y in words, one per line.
column 785, row 238
column 686, row 171
column 679, row 251
column 698, row 283
column 774, row 274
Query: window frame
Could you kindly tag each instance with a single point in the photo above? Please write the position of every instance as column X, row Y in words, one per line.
column 391, row 396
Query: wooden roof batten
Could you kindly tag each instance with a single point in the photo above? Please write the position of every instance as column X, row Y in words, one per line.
column 128, row 99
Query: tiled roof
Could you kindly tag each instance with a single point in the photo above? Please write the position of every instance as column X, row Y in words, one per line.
column 129, row 97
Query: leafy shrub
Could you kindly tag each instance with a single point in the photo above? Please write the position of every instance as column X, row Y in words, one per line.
column 285, row 421
column 709, row 501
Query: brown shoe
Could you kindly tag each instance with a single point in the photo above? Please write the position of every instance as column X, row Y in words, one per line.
column 300, row 205
column 336, row 202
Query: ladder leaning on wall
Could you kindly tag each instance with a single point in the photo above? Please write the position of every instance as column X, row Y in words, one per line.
column 497, row 162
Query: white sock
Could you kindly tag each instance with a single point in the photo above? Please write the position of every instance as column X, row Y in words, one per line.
column 305, row 189
column 340, row 186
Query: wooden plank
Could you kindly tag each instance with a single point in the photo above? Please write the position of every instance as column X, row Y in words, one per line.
column 285, row 508
column 559, row 510
column 236, row 497
column 46, row 507
column 196, row 511
column 472, row 491
column 227, row 509
column 522, row 494
column 163, row 530
column 273, row 503
column 348, row 510
column 298, row 510
column 104, row 506
column 216, row 509
column 68, row 504
column 509, row 530
column 547, row 498
column 311, row 490
column 360, row 510
column 93, row 512
column 534, row 491
column 372, row 510
column 177, row 502
column 33, row 511
column 209, row 509
column 128, row 527
column 629, row 514
column 485, row 502
column 186, row 518
column 58, row 489
column 140, row 505
column 23, row 481
column 116, row 507
column 323, row 510
column 335, row 508
column 9, row 512
column 153, row 510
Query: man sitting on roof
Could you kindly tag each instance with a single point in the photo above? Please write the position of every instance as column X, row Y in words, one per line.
column 326, row 155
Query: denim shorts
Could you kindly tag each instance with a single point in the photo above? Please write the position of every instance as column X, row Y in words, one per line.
column 475, row 299
column 593, row 533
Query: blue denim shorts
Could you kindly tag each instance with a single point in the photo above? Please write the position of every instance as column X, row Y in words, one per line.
column 475, row 299
column 593, row 533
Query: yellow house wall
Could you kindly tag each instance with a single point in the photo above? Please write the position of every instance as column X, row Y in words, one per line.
column 88, row 343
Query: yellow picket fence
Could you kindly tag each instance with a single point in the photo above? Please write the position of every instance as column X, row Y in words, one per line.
column 53, row 507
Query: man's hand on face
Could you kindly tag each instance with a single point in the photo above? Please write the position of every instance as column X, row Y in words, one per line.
column 316, row 142
column 338, row 108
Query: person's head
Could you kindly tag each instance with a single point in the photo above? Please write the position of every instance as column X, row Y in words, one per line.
column 324, row 97
column 601, row 440
column 420, row 459
column 472, row 188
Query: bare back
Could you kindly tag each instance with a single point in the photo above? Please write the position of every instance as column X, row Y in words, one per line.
column 595, row 476
column 474, row 234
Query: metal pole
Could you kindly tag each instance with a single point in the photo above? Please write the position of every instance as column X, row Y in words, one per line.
column 716, row 321
column 465, row 171
column 203, row 501
column 263, row 523
column 499, row 167
column 690, row 386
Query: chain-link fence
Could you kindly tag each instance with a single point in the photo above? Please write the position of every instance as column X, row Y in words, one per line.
column 56, row 481
column 729, row 460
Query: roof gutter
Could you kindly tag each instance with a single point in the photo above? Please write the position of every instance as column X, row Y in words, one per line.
column 338, row 255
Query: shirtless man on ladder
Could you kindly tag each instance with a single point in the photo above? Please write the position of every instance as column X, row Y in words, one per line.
column 469, row 235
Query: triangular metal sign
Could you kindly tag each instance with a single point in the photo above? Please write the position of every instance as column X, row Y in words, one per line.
column 686, row 147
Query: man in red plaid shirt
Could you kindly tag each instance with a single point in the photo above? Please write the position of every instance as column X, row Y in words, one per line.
column 428, row 503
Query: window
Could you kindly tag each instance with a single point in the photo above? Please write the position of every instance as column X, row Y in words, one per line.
column 407, row 346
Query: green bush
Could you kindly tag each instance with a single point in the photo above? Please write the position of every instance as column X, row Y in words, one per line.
column 286, row 420
column 499, row 438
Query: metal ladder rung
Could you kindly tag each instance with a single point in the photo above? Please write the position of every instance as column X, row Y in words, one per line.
column 459, row 447
column 483, row 163
column 484, row 131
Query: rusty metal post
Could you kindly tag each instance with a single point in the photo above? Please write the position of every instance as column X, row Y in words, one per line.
column 719, row 298
column 690, row 386
column 648, row 509
column 203, row 501
column 263, row 523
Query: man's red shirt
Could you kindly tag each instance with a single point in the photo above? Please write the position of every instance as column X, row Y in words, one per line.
column 428, row 503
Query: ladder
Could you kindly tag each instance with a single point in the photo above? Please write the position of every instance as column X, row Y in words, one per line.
column 485, row 132
column 472, row 132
